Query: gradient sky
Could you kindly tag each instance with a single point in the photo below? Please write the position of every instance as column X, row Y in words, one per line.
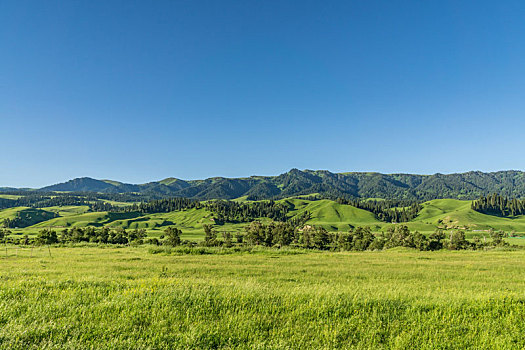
column 138, row 91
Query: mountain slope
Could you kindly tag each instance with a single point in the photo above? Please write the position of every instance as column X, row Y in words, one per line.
column 83, row 184
column 468, row 185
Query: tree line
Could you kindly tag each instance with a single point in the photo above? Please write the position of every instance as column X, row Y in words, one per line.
column 103, row 235
column 499, row 205
column 96, row 201
column 229, row 211
column 283, row 234
column 362, row 238
column 394, row 211
column 224, row 211
column 272, row 234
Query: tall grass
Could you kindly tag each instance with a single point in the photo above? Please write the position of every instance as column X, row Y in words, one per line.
column 130, row 299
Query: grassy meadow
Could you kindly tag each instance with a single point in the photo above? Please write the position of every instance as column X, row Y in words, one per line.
column 335, row 217
column 94, row 297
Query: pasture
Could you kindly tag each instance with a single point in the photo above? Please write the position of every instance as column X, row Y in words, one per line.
column 108, row 297
column 335, row 217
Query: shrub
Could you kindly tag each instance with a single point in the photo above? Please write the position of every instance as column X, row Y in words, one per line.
column 172, row 236
column 47, row 237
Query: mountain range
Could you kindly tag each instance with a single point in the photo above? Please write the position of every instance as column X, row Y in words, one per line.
column 468, row 185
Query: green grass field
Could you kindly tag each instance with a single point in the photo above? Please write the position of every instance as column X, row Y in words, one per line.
column 128, row 298
column 443, row 213
column 332, row 215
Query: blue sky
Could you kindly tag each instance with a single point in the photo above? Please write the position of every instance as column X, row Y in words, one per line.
column 142, row 90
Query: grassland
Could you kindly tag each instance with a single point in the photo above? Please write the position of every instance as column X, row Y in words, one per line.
column 128, row 298
column 443, row 213
column 332, row 215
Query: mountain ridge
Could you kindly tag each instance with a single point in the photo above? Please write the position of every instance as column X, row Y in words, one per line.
column 467, row 185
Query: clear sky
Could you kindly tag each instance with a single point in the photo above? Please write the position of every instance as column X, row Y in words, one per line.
column 138, row 91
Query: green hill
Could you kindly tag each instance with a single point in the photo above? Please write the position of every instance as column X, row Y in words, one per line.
column 332, row 215
column 439, row 213
column 450, row 213
column 24, row 217
column 68, row 210
column 76, row 216
column 439, row 207
column 97, row 219
column 79, row 220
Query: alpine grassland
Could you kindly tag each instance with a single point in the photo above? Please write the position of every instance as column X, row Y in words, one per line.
column 147, row 297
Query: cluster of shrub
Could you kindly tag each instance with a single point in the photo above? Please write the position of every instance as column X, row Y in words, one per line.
column 79, row 235
column 273, row 234
column 362, row 238
column 281, row 234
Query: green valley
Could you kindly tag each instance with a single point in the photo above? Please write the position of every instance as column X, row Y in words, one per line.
column 334, row 217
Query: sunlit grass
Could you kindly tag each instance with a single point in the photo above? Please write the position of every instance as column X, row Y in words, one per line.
column 111, row 298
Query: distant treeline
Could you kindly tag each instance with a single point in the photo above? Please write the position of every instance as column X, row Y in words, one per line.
column 386, row 210
column 224, row 211
column 160, row 206
column 96, row 201
column 231, row 211
column 228, row 211
column 499, row 205
column 39, row 200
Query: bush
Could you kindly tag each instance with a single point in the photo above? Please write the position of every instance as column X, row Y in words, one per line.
column 172, row 236
column 47, row 237
column 457, row 241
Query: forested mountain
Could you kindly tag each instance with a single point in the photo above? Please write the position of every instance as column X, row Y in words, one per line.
column 470, row 185
column 82, row 184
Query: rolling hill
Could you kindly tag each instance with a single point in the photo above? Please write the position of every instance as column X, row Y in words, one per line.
column 332, row 215
column 440, row 213
column 25, row 217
